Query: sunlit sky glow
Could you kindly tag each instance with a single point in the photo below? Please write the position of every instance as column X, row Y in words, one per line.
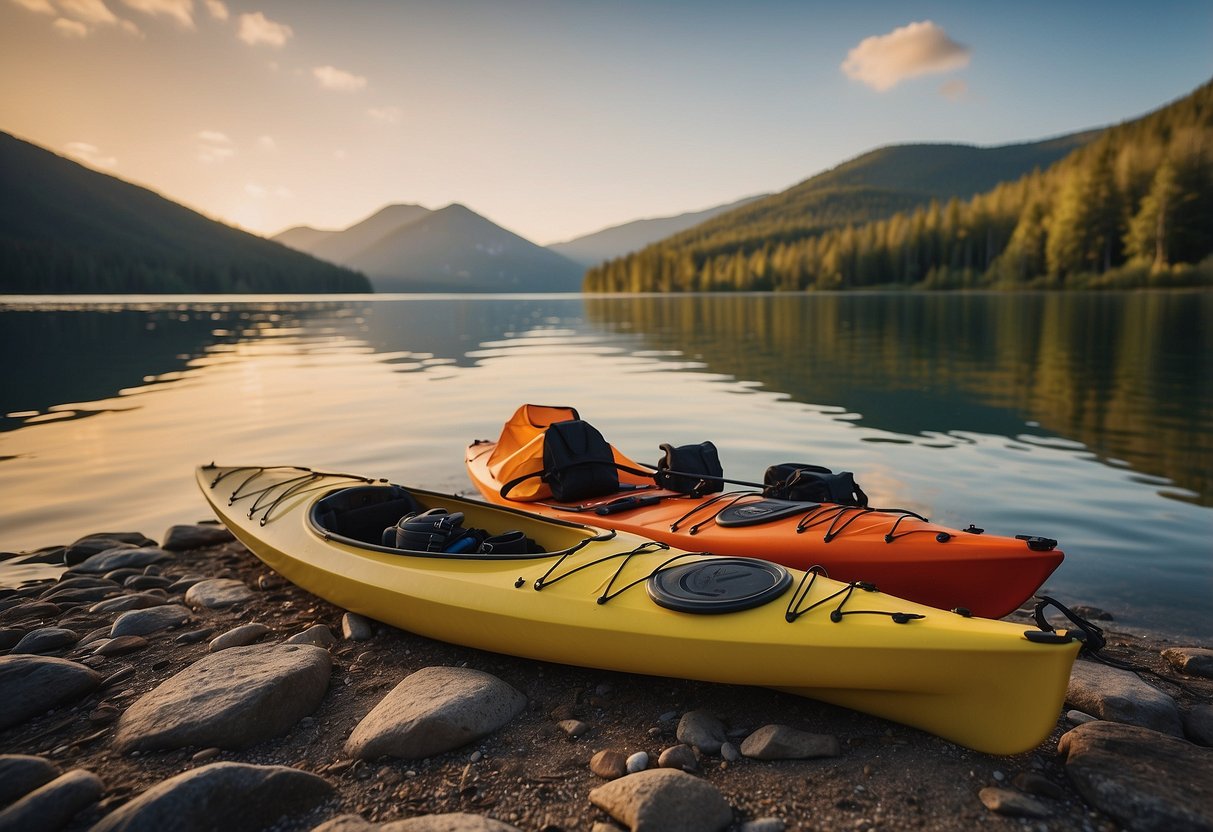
column 556, row 119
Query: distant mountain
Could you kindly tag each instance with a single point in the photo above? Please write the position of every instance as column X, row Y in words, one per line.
column 1128, row 205
column 618, row 240
column 302, row 237
column 66, row 228
column 408, row 248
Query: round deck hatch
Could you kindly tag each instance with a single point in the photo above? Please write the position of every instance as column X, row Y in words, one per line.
column 718, row 585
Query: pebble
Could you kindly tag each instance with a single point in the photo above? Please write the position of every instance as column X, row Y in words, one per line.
column 31, row 685
column 52, row 806
column 1075, row 717
column 239, row 637
column 20, row 774
column 217, row 593
column 196, row 536
column 1195, row 661
column 681, row 757
column 763, row 825
column 150, row 620
column 730, row 752
column 782, row 742
column 317, row 635
column 573, row 727
column 1198, row 724
column 355, row 627
column 637, row 762
column 118, row 558
column 139, row 582
column 702, row 730
column 195, row 636
column 45, row 640
column 1038, row 784
column 1012, row 803
column 134, row 601
column 121, row 646
column 664, row 799
column 609, row 764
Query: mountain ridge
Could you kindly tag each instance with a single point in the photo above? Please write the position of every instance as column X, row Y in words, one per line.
column 65, row 227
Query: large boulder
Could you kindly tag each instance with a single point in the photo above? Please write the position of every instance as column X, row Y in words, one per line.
column 1121, row 696
column 30, row 685
column 230, row 699
column 434, row 710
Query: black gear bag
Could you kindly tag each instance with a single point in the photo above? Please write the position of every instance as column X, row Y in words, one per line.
column 804, row 483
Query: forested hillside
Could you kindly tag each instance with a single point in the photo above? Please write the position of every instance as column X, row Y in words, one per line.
column 66, row 228
column 1133, row 204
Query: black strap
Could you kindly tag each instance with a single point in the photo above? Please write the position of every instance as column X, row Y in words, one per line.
column 509, row 486
column 1092, row 637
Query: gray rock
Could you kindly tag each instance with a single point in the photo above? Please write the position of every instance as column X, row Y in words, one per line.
column 574, row 728
column 29, row 611
column 230, row 796
column 730, row 753
column 347, row 823
column 1147, row 781
column 229, row 699
column 1078, row 717
column 1120, row 696
column 120, row 646
column 196, row 536
column 20, row 774
column 80, row 594
column 355, row 627
column 30, row 685
column 638, row 762
column 1195, row 661
column 609, row 764
column 51, row 807
column 80, row 582
column 1012, row 803
column 664, row 800
column 112, row 559
column 763, row 825
column 217, row 593
column 681, row 757
column 434, row 710
column 9, row 637
column 183, row 583
column 194, row 636
column 781, row 742
column 141, row 582
column 239, row 637
column 1198, row 724
column 317, row 635
column 150, row 620
column 1033, row 783
column 132, row 601
column 86, row 547
column 703, row 731
column 46, row 640
column 453, row 822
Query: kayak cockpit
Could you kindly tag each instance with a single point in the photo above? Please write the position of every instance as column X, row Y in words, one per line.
column 392, row 519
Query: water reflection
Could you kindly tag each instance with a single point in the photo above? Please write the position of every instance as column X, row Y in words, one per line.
column 1124, row 375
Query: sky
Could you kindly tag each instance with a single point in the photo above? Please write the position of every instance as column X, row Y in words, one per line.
column 558, row 118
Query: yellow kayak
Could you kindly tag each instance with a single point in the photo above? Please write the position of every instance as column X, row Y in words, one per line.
column 589, row 597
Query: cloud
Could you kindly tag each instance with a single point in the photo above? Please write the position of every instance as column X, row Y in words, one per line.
column 91, row 155
column 332, row 78
column 954, row 90
column 257, row 28
column 267, row 143
column 39, row 6
column 88, row 11
column 883, row 61
column 180, row 10
column 255, row 191
column 258, row 191
column 386, row 115
column 70, row 28
column 214, row 146
column 217, row 8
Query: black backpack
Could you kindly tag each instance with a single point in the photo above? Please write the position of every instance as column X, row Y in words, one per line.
column 578, row 463
column 803, row 483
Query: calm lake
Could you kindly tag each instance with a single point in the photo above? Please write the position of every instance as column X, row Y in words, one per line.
column 1087, row 418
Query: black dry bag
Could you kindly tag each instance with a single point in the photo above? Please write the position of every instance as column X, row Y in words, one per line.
column 690, row 469
column 804, row 483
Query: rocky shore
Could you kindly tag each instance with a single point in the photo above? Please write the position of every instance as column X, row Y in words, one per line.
column 182, row 685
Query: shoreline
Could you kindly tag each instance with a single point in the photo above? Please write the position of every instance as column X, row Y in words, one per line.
column 534, row 773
